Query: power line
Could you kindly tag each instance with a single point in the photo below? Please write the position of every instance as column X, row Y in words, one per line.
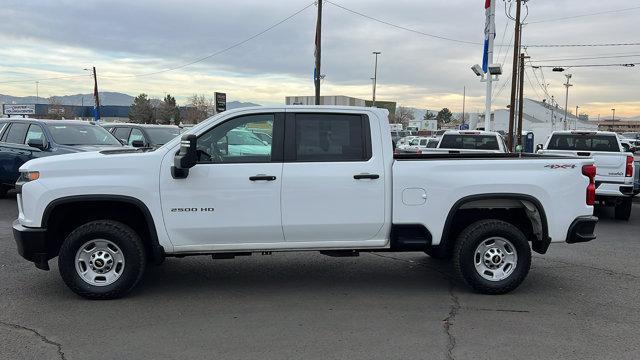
column 235, row 45
column 581, row 45
column 581, row 66
column 589, row 58
column 402, row 27
column 526, row 74
column 44, row 79
column 584, row 15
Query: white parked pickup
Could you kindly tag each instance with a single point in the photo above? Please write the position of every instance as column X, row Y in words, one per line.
column 615, row 168
column 329, row 182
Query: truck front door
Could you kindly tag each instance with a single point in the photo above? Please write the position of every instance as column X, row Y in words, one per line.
column 233, row 194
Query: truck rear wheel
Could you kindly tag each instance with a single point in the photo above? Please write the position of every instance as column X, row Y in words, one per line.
column 492, row 256
column 102, row 259
column 623, row 209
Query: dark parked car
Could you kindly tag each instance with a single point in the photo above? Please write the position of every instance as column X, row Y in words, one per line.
column 143, row 135
column 24, row 139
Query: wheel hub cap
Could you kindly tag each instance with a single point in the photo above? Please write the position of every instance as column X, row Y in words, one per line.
column 495, row 258
column 99, row 262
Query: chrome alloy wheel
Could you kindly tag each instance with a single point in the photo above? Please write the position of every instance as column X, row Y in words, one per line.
column 495, row 258
column 99, row 262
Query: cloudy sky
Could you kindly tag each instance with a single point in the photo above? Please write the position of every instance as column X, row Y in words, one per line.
column 124, row 38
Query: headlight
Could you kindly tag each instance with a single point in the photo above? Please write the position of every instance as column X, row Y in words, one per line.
column 27, row 176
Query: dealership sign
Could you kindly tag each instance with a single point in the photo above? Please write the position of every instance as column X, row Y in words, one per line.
column 221, row 102
column 15, row 109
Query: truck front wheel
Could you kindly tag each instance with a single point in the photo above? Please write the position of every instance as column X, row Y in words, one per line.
column 102, row 259
column 623, row 209
column 492, row 256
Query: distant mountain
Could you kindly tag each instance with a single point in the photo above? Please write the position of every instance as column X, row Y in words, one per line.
column 106, row 98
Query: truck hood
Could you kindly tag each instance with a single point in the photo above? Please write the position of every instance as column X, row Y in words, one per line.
column 116, row 159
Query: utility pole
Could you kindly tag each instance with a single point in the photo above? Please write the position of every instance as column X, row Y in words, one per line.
column 553, row 115
column 37, row 92
column 95, row 95
column 375, row 76
column 566, row 100
column 575, row 123
column 490, row 33
column 514, row 76
column 520, row 99
column 317, row 73
column 464, row 100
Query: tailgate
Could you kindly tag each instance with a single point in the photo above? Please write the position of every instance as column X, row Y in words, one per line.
column 610, row 166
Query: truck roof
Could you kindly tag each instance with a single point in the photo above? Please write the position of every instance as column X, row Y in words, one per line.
column 583, row 132
column 470, row 132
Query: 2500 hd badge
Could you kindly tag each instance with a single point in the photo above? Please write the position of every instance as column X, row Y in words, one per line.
column 204, row 209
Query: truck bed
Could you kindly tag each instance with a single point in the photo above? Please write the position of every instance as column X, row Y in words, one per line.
column 467, row 156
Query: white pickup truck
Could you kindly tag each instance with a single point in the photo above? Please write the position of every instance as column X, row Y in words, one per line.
column 329, row 183
column 615, row 168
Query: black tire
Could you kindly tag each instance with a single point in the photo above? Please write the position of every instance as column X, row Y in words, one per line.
column 118, row 233
column 464, row 255
column 623, row 209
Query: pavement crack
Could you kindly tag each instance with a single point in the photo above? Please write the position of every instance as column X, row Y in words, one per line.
column 447, row 323
column 39, row 335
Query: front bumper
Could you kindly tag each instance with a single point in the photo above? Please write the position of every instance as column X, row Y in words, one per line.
column 581, row 230
column 32, row 245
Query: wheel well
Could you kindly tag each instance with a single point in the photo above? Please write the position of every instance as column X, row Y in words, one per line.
column 62, row 218
column 525, row 213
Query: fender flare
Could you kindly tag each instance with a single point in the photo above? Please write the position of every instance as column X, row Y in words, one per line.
column 538, row 246
column 157, row 251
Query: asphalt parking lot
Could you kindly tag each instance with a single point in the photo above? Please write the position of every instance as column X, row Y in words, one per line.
column 579, row 302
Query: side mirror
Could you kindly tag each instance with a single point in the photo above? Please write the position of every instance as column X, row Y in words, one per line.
column 137, row 143
column 186, row 158
column 539, row 147
column 36, row 143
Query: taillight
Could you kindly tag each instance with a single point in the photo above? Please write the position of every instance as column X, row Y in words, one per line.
column 629, row 172
column 590, row 172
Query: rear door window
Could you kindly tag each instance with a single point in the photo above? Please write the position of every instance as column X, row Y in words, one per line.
column 472, row 142
column 584, row 142
column 331, row 137
column 16, row 133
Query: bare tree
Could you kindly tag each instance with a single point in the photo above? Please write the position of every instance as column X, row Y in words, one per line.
column 55, row 109
column 199, row 108
column 402, row 116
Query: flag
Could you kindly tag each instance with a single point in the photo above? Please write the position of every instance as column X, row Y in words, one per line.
column 487, row 34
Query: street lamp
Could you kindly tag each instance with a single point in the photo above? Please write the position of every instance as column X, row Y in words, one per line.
column 566, row 99
column 375, row 76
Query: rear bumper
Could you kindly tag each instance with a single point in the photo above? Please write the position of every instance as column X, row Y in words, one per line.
column 582, row 229
column 31, row 243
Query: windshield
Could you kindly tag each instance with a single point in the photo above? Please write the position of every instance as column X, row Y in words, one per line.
column 584, row 142
column 161, row 136
column 82, row 134
column 473, row 142
column 238, row 137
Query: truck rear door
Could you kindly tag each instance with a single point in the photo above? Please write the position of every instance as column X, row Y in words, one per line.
column 332, row 181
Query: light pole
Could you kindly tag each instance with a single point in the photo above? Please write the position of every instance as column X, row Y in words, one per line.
column 37, row 92
column 566, row 100
column 375, row 76
column 613, row 119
